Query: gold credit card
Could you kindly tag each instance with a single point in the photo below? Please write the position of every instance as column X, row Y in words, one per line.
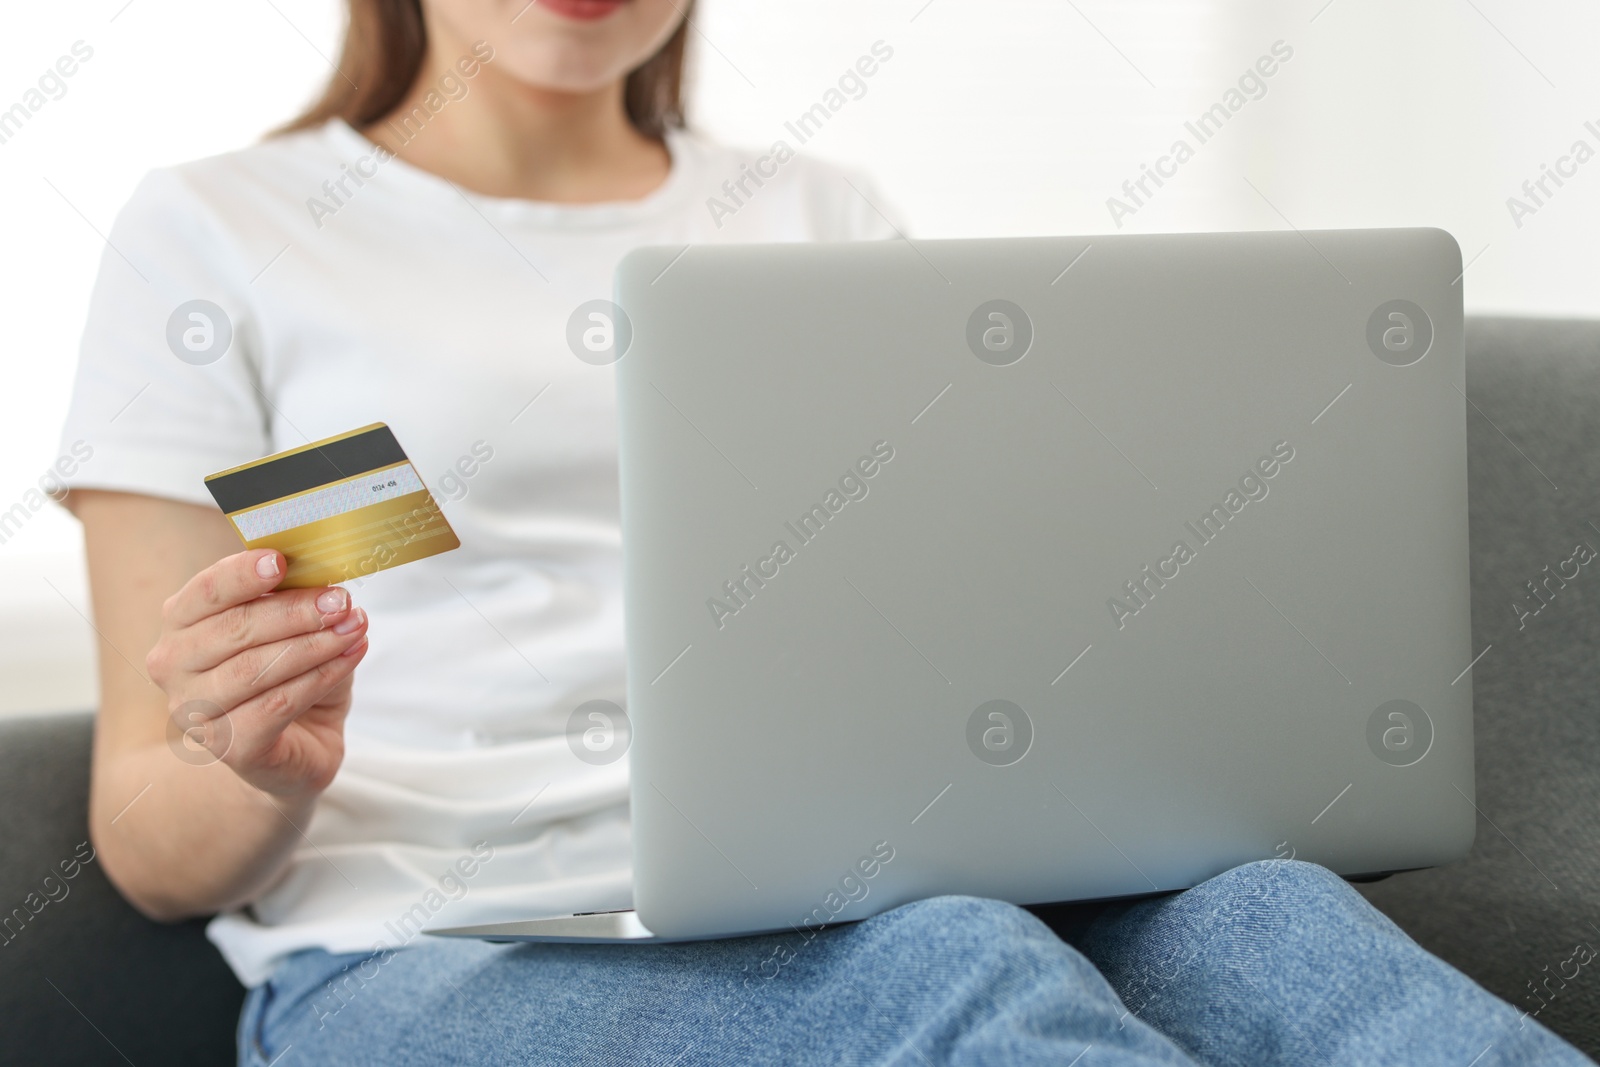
column 339, row 509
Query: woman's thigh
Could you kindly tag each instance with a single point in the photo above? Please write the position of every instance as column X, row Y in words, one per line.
column 950, row 980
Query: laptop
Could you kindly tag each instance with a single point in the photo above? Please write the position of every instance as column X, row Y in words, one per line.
column 1044, row 569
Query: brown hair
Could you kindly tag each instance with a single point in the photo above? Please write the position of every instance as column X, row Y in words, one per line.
column 382, row 55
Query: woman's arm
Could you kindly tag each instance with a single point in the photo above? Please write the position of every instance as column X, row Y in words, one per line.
column 190, row 633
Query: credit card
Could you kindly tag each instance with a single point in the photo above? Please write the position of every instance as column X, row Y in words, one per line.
column 339, row 509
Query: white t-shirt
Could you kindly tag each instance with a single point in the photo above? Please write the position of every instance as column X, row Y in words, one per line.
column 444, row 314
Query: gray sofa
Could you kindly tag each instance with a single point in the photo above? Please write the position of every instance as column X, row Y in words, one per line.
column 87, row 980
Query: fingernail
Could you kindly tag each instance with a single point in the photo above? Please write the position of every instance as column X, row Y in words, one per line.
column 351, row 623
column 267, row 566
column 333, row 601
column 355, row 648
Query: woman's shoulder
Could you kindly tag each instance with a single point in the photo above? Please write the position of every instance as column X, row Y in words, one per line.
column 785, row 176
column 783, row 161
column 283, row 170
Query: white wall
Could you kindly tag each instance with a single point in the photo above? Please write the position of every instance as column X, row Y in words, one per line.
column 1001, row 117
column 1021, row 117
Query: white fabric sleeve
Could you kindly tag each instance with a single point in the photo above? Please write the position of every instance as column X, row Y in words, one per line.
column 842, row 203
column 868, row 215
column 864, row 213
column 149, row 421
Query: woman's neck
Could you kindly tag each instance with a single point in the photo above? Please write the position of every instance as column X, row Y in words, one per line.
column 508, row 139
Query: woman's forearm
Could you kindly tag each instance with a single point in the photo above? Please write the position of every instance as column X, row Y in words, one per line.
column 181, row 840
column 190, row 824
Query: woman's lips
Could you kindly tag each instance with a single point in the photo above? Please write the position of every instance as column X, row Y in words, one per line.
column 582, row 10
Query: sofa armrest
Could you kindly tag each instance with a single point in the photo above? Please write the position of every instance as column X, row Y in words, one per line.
column 1519, row 912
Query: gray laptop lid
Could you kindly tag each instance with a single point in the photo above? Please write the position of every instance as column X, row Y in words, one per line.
column 1040, row 569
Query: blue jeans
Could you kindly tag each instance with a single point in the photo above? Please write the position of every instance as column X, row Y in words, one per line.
column 1278, row 962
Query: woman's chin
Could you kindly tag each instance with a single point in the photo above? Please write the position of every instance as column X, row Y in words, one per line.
column 559, row 70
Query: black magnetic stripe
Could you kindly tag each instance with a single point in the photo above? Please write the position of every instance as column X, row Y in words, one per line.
column 310, row 469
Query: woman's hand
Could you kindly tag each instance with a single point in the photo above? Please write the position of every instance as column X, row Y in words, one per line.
column 261, row 679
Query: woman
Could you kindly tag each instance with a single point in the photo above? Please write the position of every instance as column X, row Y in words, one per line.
column 410, row 251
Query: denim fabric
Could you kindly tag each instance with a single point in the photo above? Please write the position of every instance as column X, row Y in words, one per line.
column 1278, row 962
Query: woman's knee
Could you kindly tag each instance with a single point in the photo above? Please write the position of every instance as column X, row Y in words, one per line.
column 977, row 931
column 1275, row 892
column 1277, row 878
column 971, row 920
column 959, row 949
